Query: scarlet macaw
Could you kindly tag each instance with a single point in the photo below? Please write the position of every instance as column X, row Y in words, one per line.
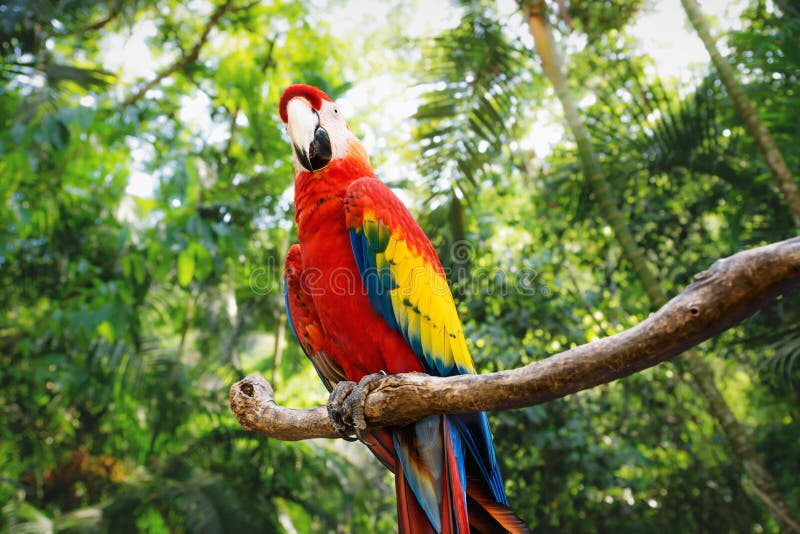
column 366, row 293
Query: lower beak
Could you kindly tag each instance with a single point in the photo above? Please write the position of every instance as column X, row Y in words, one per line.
column 319, row 151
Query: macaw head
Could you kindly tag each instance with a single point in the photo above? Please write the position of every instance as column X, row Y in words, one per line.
column 317, row 129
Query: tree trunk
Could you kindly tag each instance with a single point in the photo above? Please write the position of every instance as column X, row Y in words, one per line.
column 745, row 107
column 460, row 251
column 700, row 371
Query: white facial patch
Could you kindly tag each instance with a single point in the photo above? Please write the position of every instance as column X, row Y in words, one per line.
column 334, row 123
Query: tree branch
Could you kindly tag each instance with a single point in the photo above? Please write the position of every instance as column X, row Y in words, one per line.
column 94, row 26
column 730, row 290
column 185, row 59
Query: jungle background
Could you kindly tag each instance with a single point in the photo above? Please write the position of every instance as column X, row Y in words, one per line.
column 146, row 209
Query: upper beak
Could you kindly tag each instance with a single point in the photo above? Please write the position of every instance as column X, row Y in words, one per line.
column 311, row 143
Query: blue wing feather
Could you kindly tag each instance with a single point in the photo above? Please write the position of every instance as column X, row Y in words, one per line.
column 357, row 243
column 474, row 430
column 289, row 315
column 378, row 282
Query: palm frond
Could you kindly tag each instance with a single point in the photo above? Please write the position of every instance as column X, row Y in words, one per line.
column 786, row 360
column 87, row 78
column 652, row 127
column 474, row 82
column 23, row 517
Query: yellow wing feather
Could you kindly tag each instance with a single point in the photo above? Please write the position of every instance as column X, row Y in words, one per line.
column 424, row 307
column 420, row 299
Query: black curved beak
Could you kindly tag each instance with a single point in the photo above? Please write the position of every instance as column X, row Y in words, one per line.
column 319, row 151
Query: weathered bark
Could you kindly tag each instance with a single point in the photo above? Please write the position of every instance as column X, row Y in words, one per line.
column 702, row 375
column 730, row 290
column 747, row 110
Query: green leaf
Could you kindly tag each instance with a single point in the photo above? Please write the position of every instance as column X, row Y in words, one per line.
column 18, row 131
column 84, row 116
column 186, row 265
column 56, row 132
column 106, row 330
column 203, row 263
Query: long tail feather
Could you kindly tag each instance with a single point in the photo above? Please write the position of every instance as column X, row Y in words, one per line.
column 411, row 519
column 431, row 455
column 454, row 504
column 489, row 516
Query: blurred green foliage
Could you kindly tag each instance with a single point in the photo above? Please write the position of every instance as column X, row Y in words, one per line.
column 126, row 315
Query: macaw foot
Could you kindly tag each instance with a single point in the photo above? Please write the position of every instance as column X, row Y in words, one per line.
column 339, row 412
column 346, row 406
column 358, row 399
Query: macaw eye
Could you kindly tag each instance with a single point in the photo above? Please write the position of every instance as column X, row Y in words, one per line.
column 336, row 111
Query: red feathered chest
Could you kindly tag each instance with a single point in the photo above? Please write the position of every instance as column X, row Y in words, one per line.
column 356, row 336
